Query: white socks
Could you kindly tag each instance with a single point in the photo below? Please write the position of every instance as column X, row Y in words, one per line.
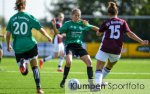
column 60, row 62
column 99, row 77
column 105, row 72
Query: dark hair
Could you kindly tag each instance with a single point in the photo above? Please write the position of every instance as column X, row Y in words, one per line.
column 112, row 8
column 20, row 4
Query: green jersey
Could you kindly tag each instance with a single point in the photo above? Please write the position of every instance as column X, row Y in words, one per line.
column 74, row 31
column 20, row 26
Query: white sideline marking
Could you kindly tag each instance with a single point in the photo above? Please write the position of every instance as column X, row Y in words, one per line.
column 114, row 73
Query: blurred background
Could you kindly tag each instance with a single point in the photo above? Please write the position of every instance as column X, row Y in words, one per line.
column 135, row 12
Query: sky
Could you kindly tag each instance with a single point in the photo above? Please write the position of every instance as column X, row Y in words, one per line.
column 34, row 7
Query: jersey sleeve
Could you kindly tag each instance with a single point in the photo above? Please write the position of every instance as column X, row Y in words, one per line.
column 64, row 28
column 35, row 23
column 88, row 27
column 103, row 27
column 126, row 27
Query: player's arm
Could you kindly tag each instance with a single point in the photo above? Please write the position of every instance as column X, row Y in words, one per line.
column 95, row 28
column 61, row 35
column 136, row 38
column 54, row 26
column 85, row 22
column 98, row 33
column 8, row 35
column 64, row 35
column 43, row 32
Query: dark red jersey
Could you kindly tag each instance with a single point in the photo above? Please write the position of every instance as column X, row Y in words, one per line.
column 59, row 37
column 113, row 30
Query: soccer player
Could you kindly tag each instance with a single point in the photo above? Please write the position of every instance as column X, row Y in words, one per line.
column 1, row 49
column 58, row 45
column 110, row 50
column 74, row 33
column 24, row 44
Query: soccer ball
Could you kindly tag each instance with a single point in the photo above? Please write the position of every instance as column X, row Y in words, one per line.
column 73, row 84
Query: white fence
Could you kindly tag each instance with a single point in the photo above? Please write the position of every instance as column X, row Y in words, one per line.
column 44, row 49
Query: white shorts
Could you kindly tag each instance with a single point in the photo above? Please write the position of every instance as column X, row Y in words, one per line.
column 58, row 47
column 103, row 56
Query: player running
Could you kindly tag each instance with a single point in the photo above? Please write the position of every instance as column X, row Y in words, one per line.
column 58, row 45
column 24, row 44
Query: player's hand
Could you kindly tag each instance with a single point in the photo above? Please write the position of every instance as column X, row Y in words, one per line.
column 49, row 39
column 53, row 22
column 9, row 48
column 85, row 22
column 98, row 33
column 60, row 35
column 145, row 42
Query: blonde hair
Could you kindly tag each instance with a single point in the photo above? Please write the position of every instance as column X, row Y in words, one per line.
column 60, row 14
column 20, row 4
column 75, row 10
column 112, row 8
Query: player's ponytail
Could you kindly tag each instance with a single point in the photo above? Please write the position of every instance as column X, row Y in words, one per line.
column 112, row 8
column 20, row 4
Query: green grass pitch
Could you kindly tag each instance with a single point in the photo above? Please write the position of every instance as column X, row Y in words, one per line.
column 12, row 82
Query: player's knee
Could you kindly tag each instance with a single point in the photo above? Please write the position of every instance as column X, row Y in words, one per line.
column 89, row 63
column 68, row 63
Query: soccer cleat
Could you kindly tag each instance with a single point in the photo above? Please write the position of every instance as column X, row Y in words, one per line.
column 41, row 63
column 62, row 84
column 60, row 70
column 40, row 91
column 22, row 66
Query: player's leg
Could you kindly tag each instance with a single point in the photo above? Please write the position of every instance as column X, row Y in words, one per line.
column 1, row 52
column 36, row 74
column 61, row 57
column 98, row 73
column 22, row 63
column 87, row 60
column 101, row 57
column 42, row 61
column 60, row 62
column 69, row 51
column 111, row 62
column 66, row 69
column 55, row 54
column 106, row 70
column 33, row 56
